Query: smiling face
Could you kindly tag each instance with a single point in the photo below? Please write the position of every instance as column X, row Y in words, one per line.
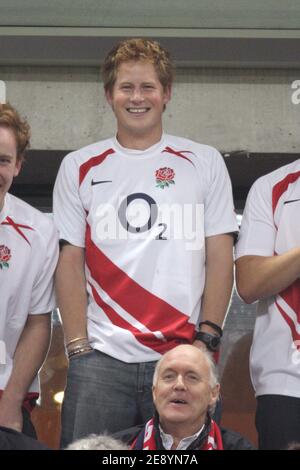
column 183, row 393
column 138, row 100
column 9, row 164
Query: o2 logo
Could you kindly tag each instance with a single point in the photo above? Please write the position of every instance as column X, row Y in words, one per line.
column 147, row 208
column 123, row 211
column 139, row 217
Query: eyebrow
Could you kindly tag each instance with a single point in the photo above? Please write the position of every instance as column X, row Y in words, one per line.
column 129, row 82
column 169, row 370
column 6, row 155
column 190, row 371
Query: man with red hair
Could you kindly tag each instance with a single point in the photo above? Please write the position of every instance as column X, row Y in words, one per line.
column 28, row 257
column 145, row 222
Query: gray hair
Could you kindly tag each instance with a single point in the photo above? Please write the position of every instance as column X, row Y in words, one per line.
column 214, row 376
column 213, row 372
column 97, row 442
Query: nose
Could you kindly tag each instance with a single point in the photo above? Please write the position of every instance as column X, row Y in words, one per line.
column 137, row 95
column 179, row 384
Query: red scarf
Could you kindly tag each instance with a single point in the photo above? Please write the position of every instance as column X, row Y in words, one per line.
column 213, row 440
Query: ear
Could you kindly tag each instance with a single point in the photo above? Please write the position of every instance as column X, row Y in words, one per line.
column 215, row 391
column 18, row 167
column 154, row 393
column 108, row 96
column 167, row 94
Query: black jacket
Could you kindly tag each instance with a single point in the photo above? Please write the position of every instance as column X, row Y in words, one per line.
column 231, row 440
column 14, row 440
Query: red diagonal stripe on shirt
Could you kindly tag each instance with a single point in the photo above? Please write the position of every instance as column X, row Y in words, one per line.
column 93, row 161
column 291, row 295
column 178, row 154
column 281, row 187
column 147, row 308
column 289, row 321
column 17, row 227
column 147, row 339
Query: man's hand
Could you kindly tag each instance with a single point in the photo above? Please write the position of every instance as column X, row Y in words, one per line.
column 11, row 414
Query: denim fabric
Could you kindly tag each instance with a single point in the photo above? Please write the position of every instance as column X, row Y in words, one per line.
column 105, row 394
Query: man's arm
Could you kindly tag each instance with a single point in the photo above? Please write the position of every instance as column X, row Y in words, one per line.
column 262, row 276
column 28, row 358
column 219, row 281
column 71, row 292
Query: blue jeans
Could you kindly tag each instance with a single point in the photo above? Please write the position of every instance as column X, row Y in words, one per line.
column 105, row 394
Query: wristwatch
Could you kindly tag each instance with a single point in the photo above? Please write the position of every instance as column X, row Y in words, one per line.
column 212, row 342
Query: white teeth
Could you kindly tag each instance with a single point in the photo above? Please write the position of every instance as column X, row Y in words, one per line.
column 137, row 110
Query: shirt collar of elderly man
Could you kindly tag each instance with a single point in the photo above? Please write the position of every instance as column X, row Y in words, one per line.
column 185, row 391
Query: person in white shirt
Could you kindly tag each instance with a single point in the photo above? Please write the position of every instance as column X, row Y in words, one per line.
column 28, row 257
column 268, row 270
column 145, row 221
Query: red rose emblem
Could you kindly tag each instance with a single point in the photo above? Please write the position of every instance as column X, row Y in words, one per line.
column 165, row 174
column 164, row 177
column 4, row 256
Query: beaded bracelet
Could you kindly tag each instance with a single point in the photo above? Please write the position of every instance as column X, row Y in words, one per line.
column 78, row 351
column 79, row 344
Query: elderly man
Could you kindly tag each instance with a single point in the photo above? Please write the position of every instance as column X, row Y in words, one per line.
column 185, row 391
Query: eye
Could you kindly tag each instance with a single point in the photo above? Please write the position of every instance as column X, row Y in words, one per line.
column 193, row 378
column 169, row 376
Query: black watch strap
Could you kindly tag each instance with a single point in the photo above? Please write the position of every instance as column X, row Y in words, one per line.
column 214, row 326
column 212, row 342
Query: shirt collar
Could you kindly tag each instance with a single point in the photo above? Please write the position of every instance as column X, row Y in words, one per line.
column 133, row 153
column 5, row 209
column 167, row 439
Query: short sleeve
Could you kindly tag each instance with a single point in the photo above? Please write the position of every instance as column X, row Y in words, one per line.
column 219, row 214
column 43, row 298
column 258, row 233
column 68, row 210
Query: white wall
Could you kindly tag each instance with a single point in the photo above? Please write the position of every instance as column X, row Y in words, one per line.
column 231, row 109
